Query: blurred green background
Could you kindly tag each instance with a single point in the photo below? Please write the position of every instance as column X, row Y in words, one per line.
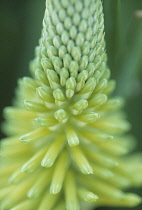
column 20, row 28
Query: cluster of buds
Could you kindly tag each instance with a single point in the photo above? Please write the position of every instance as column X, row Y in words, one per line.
column 68, row 141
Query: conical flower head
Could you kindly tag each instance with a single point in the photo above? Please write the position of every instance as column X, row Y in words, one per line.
column 73, row 141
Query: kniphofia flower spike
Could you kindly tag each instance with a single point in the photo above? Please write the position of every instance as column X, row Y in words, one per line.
column 73, row 146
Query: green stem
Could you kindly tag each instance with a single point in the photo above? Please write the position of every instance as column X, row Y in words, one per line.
column 88, row 206
column 130, row 67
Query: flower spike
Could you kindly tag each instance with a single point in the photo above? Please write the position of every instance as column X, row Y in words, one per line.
column 69, row 145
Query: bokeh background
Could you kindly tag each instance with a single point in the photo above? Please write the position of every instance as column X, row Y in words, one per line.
column 20, row 29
